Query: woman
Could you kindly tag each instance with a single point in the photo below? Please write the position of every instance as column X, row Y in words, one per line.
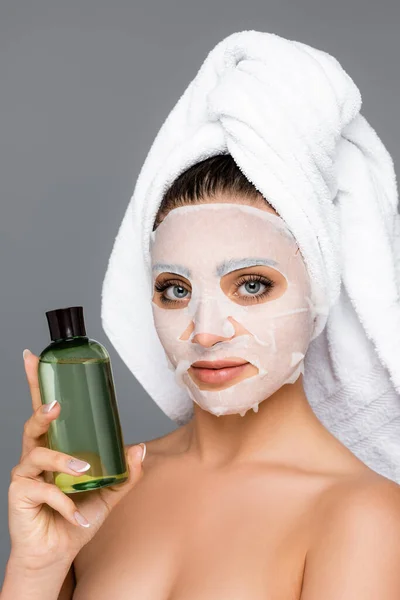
column 252, row 496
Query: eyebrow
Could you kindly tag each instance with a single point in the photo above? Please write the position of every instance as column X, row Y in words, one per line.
column 222, row 269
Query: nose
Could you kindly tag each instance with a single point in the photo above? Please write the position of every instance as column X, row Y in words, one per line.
column 209, row 339
column 210, row 323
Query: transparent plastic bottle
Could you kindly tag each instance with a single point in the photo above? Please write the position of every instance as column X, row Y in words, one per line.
column 76, row 371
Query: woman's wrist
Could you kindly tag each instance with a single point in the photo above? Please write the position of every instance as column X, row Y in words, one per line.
column 24, row 583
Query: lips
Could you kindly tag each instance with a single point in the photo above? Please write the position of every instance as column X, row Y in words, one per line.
column 218, row 372
column 218, row 364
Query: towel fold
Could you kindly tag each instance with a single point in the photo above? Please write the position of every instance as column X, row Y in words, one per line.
column 290, row 117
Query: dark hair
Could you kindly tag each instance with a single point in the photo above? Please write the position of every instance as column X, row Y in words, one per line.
column 218, row 174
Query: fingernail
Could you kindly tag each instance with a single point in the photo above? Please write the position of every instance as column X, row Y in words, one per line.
column 144, row 450
column 78, row 465
column 81, row 519
column 26, row 353
column 47, row 407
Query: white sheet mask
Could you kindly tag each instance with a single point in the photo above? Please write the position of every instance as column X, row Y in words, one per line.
column 202, row 243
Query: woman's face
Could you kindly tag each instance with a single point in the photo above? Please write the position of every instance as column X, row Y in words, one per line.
column 230, row 284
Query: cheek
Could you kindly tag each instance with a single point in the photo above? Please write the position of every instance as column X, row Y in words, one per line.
column 170, row 324
column 293, row 333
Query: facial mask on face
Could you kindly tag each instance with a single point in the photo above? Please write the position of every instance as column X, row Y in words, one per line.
column 201, row 248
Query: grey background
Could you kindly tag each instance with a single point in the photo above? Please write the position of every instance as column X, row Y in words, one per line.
column 84, row 88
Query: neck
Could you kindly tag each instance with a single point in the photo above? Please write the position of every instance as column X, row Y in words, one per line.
column 284, row 431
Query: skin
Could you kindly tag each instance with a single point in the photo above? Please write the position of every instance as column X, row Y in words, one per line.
column 266, row 506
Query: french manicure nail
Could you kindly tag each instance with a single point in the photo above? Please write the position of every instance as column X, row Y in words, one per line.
column 78, row 465
column 26, row 352
column 144, row 450
column 47, row 407
column 81, row 519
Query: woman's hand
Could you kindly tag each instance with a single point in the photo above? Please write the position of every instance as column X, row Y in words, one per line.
column 42, row 523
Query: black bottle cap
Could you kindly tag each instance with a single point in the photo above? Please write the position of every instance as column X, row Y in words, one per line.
column 66, row 322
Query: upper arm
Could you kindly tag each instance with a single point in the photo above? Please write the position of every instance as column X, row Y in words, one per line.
column 68, row 587
column 357, row 551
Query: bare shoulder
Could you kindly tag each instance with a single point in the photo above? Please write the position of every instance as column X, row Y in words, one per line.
column 355, row 540
column 365, row 495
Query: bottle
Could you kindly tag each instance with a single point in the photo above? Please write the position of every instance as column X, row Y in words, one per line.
column 76, row 371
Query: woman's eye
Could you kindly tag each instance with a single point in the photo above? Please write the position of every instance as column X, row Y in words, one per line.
column 176, row 292
column 171, row 292
column 255, row 287
column 252, row 287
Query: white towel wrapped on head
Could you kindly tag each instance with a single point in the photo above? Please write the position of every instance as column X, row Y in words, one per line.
column 290, row 117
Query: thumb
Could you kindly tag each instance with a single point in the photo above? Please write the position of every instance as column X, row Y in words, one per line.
column 134, row 458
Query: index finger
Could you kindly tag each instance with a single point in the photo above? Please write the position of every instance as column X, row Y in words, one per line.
column 31, row 362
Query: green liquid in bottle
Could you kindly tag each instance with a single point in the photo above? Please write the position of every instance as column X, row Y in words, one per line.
column 77, row 373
